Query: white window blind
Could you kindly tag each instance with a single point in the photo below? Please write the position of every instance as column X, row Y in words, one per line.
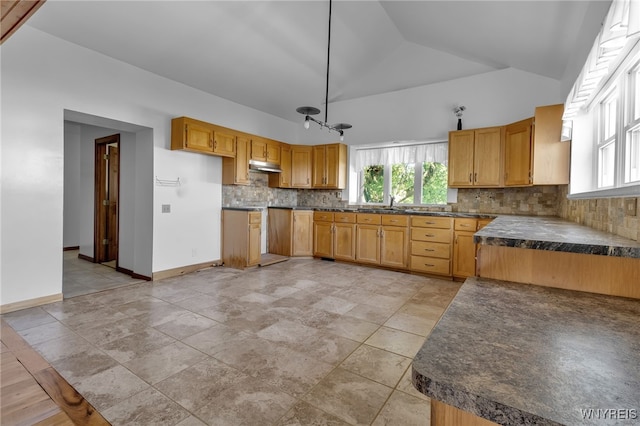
column 405, row 154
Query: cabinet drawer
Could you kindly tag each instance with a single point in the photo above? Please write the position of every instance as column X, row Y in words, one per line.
column 368, row 218
column 465, row 224
column 345, row 218
column 433, row 235
column 323, row 216
column 424, row 248
column 255, row 217
column 430, row 265
column 431, row 222
column 483, row 222
column 395, row 220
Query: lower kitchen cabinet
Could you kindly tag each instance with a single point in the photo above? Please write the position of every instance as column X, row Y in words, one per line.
column 290, row 232
column 241, row 231
column 382, row 240
column 464, row 249
column 431, row 245
column 334, row 235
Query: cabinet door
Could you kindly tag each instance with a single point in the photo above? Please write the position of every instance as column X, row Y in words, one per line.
column 273, row 152
column 319, row 167
column 461, row 145
column 368, row 244
column 517, row 153
column 198, row 138
column 393, row 246
column 224, row 144
column 332, row 166
column 344, row 241
column 488, row 159
column 253, row 257
column 300, row 166
column 323, row 239
column 302, row 233
column 282, row 179
column 242, row 161
column 258, row 149
column 464, row 254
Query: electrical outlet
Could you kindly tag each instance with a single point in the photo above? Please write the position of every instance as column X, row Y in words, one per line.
column 630, row 207
column 166, row 208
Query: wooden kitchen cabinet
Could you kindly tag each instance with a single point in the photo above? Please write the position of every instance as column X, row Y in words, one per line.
column 431, row 245
column 224, row 143
column 517, row 153
column 476, row 157
column 551, row 156
column 301, row 160
column 235, row 170
column 382, row 239
column 290, row 232
column 282, row 179
column 241, row 231
column 329, row 169
column 198, row 136
column 323, row 234
column 464, row 249
column 265, row 150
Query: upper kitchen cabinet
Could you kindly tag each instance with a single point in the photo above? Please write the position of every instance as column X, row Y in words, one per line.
column 265, row 150
column 475, row 157
column 330, row 166
column 282, row 179
column 550, row 155
column 517, row 153
column 198, row 136
column 301, row 166
column 235, row 171
column 534, row 154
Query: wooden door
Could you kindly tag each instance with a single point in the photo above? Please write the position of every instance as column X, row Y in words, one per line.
column 461, row 145
column 517, row 145
column 344, row 241
column 198, row 137
column 224, row 144
column 488, row 158
column 368, row 244
column 394, row 243
column 302, row 233
column 300, row 166
column 319, row 166
column 106, row 199
column 323, row 239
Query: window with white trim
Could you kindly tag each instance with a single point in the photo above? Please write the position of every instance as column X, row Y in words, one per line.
column 607, row 140
column 413, row 174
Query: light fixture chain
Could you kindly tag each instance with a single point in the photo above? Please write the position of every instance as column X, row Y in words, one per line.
column 326, row 92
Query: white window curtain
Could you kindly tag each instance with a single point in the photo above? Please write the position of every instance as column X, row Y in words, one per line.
column 419, row 153
column 621, row 28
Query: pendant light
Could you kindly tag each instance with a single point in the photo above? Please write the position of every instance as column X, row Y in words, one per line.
column 308, row 111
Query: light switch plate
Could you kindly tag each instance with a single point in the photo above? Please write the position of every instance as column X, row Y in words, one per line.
column 630, row 207
column 166, row 208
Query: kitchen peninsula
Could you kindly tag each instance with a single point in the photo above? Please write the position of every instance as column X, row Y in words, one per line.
column 513, row 353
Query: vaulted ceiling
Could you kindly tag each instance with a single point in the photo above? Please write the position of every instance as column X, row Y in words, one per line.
column 271, row 55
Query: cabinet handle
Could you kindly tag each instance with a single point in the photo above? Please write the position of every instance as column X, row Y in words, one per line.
column 429, row 249
column 430, row 223
column 470, row 176
column 307, row 180
column 210, row 143
column 429, row 235
column 475, row 177
column 429, row 264
column 464, row 225
column 215, row 144
column 393, row 220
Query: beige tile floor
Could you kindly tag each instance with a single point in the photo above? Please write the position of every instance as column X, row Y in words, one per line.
column 296, row 343
column 83, row 277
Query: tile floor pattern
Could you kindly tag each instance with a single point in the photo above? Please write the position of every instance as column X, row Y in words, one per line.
column 83, row 277
column 301, row 342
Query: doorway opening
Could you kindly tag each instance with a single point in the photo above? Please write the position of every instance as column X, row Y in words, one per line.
column 107, row 202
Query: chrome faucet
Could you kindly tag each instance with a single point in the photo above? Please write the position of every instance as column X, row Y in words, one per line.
column 392, row 200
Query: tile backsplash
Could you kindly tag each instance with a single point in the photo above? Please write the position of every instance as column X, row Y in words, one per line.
column 606, row 214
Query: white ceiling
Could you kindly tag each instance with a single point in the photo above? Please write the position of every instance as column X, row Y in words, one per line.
column 271, row 55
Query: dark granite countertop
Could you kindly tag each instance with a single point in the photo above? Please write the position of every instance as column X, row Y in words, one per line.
column 245, row 208
column 291, row 208
column 403, row 211
column 520, row 354
column 552, row 233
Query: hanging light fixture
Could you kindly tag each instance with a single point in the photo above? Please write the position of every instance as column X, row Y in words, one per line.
column 308, row 111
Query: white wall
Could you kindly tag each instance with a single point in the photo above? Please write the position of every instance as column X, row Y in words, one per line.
column 71, row 228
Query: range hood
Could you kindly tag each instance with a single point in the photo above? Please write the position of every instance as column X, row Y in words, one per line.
column 264, row 166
